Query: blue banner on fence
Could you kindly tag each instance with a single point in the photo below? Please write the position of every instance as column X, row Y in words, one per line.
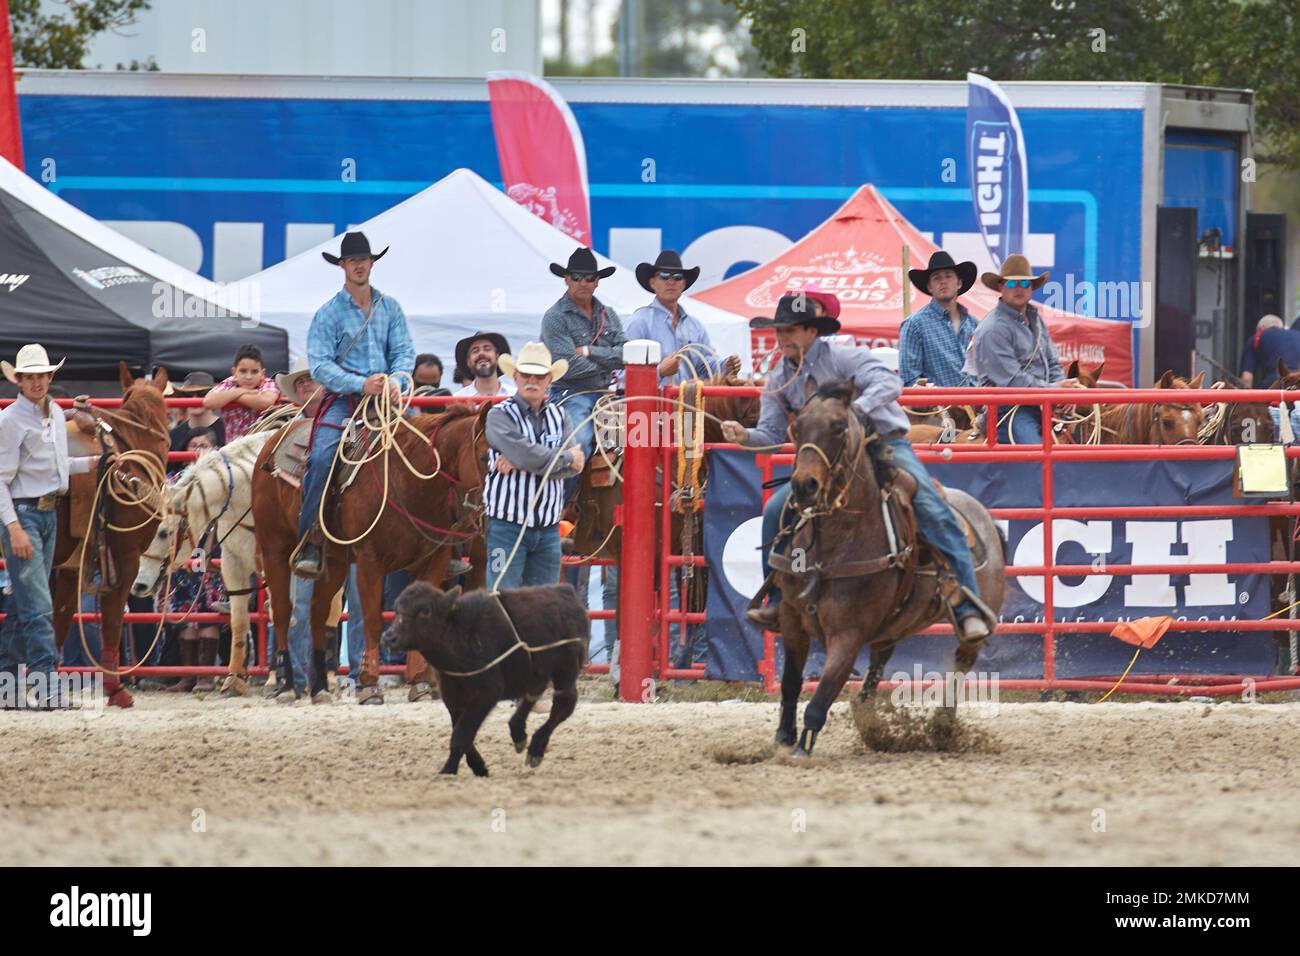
column 732, row 533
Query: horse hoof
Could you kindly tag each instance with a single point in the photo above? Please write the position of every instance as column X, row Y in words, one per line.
column 287, row 697
column 322, row 697
column 121, row 698
column 520, row 745
column 534, row 760
column 370, row 694
column 234, row 687
column 798, row 753
column 784, row 738
column 420, row 690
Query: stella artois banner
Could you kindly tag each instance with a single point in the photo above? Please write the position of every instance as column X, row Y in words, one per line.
column 543, row 160
column 857, row 255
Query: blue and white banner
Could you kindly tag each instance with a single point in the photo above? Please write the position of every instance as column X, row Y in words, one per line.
column 731, row 538
column 999, row 168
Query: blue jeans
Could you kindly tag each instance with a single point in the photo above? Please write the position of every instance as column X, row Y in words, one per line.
column 577, row 408
column 329, row 432
column 934, row 519
column 27, row 636
column 300, row 632
column 1024, row 428
column 536, row 562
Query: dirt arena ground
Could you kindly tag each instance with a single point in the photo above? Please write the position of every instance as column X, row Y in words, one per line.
column 189, row 781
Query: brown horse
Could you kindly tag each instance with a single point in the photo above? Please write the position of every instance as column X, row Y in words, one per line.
column 1133, row 423
column 413, row 531
column 140, row 425
column 843, row 581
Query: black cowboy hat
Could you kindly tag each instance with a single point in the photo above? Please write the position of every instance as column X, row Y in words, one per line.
column 582, row 260
column 355, row 245
column 966, row 272
column 668, row 261
column 463, row 346
column 795, row 308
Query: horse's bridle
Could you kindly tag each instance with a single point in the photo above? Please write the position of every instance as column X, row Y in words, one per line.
column 1155, row 420
column 836, row 468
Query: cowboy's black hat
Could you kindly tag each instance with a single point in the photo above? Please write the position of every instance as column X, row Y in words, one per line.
column 462, row 350
column 355, row 245
column 966, row 272
column 582, row 260
column 795, row 308
column 668, row 261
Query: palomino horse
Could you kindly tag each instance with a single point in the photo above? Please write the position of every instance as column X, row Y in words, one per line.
column 130, row 502
column 849, row 578
column 213, row 494
column 411, row 532
column 1165, row 423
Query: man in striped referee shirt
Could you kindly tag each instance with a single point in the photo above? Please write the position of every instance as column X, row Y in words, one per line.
column 522, row 500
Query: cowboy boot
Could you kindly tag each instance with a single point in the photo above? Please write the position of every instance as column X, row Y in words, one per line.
column 207, row 658
column 189, row 658
column 767, row 617
column 310, row 561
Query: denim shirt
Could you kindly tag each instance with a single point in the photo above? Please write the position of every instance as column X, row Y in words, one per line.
column 1015, row 351
column 566, row 328
column 653, row 321
column 384, row 345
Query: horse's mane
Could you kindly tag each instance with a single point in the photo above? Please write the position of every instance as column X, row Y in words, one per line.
column 841, row 390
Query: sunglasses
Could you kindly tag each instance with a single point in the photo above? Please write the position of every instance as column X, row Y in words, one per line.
column 582, row 276
column 677, row 276
column 1019, row 283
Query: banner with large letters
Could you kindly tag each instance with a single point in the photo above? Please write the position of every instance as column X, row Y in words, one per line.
column 999, row 168
column 731, row 540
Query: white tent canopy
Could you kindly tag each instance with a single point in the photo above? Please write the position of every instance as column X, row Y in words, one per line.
column 462, row 257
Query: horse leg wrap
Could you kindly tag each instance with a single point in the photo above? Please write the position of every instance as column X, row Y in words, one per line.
column 284, row 669
column 331, row 648
column 319, row 684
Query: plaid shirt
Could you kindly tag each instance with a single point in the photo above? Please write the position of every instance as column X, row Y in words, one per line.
column 238, row 419
column 384, row 346
column 928, row 347
column 565, row 329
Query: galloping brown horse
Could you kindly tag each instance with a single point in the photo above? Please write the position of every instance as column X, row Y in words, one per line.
column 140, row 424
column 849, row 586
column 414, row 531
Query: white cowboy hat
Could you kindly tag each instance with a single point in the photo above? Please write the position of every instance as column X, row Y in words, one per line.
column 32, row 360
column 287, row 382
column 535, row 359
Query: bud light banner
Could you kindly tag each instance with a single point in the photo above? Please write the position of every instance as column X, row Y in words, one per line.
column 999, row 167
column 539, row 145
column 732, row 534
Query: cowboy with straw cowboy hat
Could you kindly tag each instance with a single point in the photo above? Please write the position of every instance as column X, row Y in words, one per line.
column 666, row 322
column 531, row 451
column 932, row 341
column 34, row 470
column 1012, row 348
column 808, row 362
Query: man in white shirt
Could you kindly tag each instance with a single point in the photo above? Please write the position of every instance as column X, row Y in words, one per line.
column 34, row 469
column 476, row 358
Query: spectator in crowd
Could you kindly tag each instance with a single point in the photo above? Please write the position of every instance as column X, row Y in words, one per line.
column 195, row 417
column 476, row 365
column 524, row 433
column 428, row 375
column 932, row 341
column 587, row 336
column 666, row 322
column 1013, row 348
column 34, row 469
column 1271, row 341
column 245, row 395
column 197, row 589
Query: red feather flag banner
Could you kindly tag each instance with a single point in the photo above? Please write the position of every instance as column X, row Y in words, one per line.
column 11, row 132
column 539, row 145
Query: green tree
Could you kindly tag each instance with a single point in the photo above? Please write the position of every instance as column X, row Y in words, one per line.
column 1250, row 44
column 60, row 41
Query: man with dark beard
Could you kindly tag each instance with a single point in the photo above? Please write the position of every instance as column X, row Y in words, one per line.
column 476, row 359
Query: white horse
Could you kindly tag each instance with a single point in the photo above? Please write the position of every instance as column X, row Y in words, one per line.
column 214, row 491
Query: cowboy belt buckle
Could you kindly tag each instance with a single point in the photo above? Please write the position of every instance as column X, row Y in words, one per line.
column 47, row 502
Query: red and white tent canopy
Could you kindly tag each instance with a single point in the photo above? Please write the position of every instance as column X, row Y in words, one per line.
column 857, row 254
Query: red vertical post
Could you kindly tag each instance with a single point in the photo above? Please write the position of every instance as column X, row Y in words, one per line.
column 636, row 598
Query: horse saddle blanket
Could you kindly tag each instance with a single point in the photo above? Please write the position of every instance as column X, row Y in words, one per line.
column 294, row 448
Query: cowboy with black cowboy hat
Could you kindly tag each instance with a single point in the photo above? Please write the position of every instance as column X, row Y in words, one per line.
column 932, row 341
column 801, row 322
column 355, row 339
column 1013, row 348
column 587, row 334
column 666, row 322
column 476, row 360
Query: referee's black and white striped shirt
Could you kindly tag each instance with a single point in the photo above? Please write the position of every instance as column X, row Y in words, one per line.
column 529, row 440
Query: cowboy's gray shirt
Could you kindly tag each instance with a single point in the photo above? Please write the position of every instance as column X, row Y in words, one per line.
column 566, row 328
column 875, row 386
column 33, row 454
column 1004, row 350
column 533, row 457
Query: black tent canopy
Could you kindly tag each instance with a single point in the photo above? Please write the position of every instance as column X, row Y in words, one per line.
column 95, row 297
